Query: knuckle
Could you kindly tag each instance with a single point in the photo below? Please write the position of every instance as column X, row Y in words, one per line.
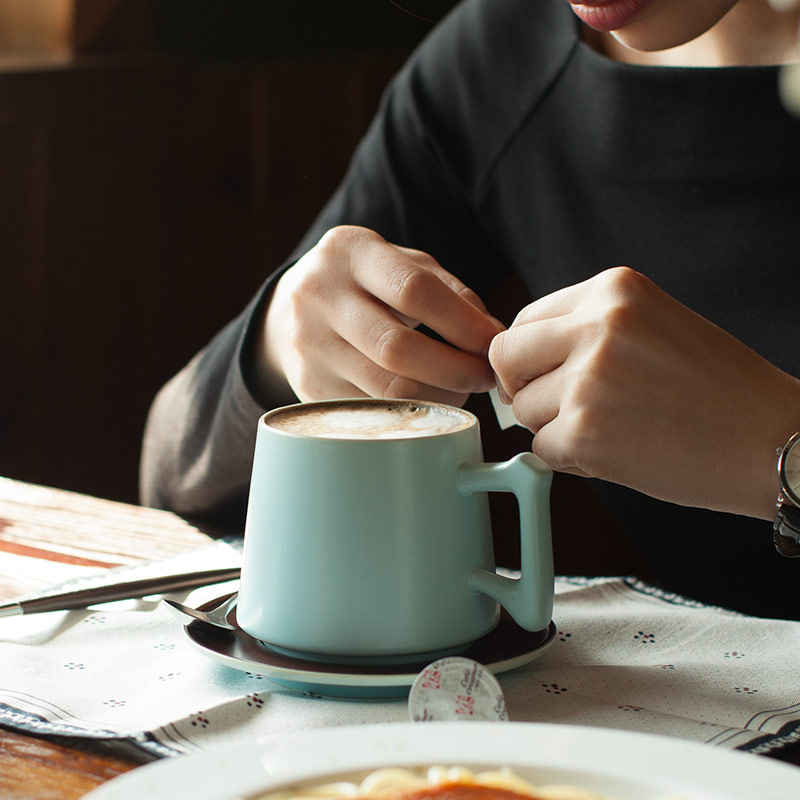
column 619, row 316
column 610, row 350
column 576, row 444
column 585, row 427
column 550, row 452
column 398, row 386
column 344, row 236
column 300, row 337
column 411, row 288
column 337, row 243
column 607, row 346
column 625, row 287
column 581, row 428
column 311, row 287
column 578, row 395
column 585, row 398
column 622, row 278
column 307, row 280
column 609, row 336
column 392, row 346
column 305, row 383
column 331, row 244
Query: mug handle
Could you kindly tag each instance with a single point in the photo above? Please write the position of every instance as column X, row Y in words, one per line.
column 529, row 598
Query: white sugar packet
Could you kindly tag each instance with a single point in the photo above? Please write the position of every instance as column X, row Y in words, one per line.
column 504, row 413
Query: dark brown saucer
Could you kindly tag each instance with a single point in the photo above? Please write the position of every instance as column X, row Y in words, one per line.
column 508, row 646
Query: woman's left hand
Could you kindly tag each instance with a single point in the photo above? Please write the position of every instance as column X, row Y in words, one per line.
column 620, row 381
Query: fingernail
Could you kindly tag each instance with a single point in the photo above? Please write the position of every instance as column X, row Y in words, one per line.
column 504, row 396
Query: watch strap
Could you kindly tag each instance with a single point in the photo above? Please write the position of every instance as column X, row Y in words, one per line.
column 786, row 529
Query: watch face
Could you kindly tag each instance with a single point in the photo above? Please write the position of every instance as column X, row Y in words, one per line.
column 789, row 468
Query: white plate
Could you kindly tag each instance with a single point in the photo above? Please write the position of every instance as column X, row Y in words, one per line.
column 621, row 765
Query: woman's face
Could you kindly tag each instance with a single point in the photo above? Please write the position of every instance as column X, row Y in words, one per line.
column 653, row 24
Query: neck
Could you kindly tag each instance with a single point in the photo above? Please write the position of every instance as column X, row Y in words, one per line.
column 750, row 34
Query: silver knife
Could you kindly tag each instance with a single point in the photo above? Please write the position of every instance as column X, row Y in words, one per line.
column 83, row 598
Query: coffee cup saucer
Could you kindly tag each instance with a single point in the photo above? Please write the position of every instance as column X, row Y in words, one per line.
column 505, row 648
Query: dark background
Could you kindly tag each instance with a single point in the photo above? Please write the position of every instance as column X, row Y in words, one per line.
column 148, row 184
column 157, row 160
column 269, row 29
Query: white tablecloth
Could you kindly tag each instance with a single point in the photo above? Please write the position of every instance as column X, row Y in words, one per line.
column 626, row 657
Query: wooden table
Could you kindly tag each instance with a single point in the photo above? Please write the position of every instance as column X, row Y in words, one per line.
column 46, row 535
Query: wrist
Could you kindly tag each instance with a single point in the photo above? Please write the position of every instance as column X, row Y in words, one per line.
column 773, row 417
column 776, row 432
column 263, row 372
column 759, row 491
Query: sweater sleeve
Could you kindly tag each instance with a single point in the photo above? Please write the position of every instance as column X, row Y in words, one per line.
column 200, row 433
column 416, row 179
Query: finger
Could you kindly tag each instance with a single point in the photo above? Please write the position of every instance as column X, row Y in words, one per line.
column 429, row 262
column 402, row 351
column 325, row 386
column 577, row 471
column 523, row 353
column 550, row 445
column 380, row 383
column 538, row 404
column 365, row 377
column 558, row 304
column 314, row 379
column 607, row 288
column 538, row 407
column 422, row 295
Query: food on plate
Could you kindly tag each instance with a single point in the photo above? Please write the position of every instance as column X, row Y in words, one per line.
column 436, row 783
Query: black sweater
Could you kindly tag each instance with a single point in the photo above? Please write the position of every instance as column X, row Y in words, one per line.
column 507, row 145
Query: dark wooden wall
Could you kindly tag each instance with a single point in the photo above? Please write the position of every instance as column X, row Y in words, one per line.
column 141, row 204
column 144, row 196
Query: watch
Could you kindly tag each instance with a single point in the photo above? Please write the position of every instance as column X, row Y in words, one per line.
column 786, row 529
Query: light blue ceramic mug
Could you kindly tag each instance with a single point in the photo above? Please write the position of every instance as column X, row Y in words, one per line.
column 368, row 532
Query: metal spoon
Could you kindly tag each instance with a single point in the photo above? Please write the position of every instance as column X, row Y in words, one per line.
column 127, row 590
column 218, row 616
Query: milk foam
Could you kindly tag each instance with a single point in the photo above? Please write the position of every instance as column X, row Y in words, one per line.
column 370, row 421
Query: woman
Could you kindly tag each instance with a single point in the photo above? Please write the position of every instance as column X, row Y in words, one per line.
column 555, row 141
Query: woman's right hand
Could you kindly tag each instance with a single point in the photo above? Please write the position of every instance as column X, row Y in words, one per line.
column 342, row 323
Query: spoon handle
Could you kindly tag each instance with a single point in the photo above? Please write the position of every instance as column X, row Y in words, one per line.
column 83, row 598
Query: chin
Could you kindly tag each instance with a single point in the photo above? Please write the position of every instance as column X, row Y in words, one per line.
column 651, row 41
column 670, row 27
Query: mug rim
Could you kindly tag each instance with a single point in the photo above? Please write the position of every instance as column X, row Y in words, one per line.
column 373, row 401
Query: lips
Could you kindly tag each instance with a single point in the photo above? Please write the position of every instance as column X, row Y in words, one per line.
column 609, row 15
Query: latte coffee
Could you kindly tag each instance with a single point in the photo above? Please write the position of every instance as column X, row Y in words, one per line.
column 370, row 419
